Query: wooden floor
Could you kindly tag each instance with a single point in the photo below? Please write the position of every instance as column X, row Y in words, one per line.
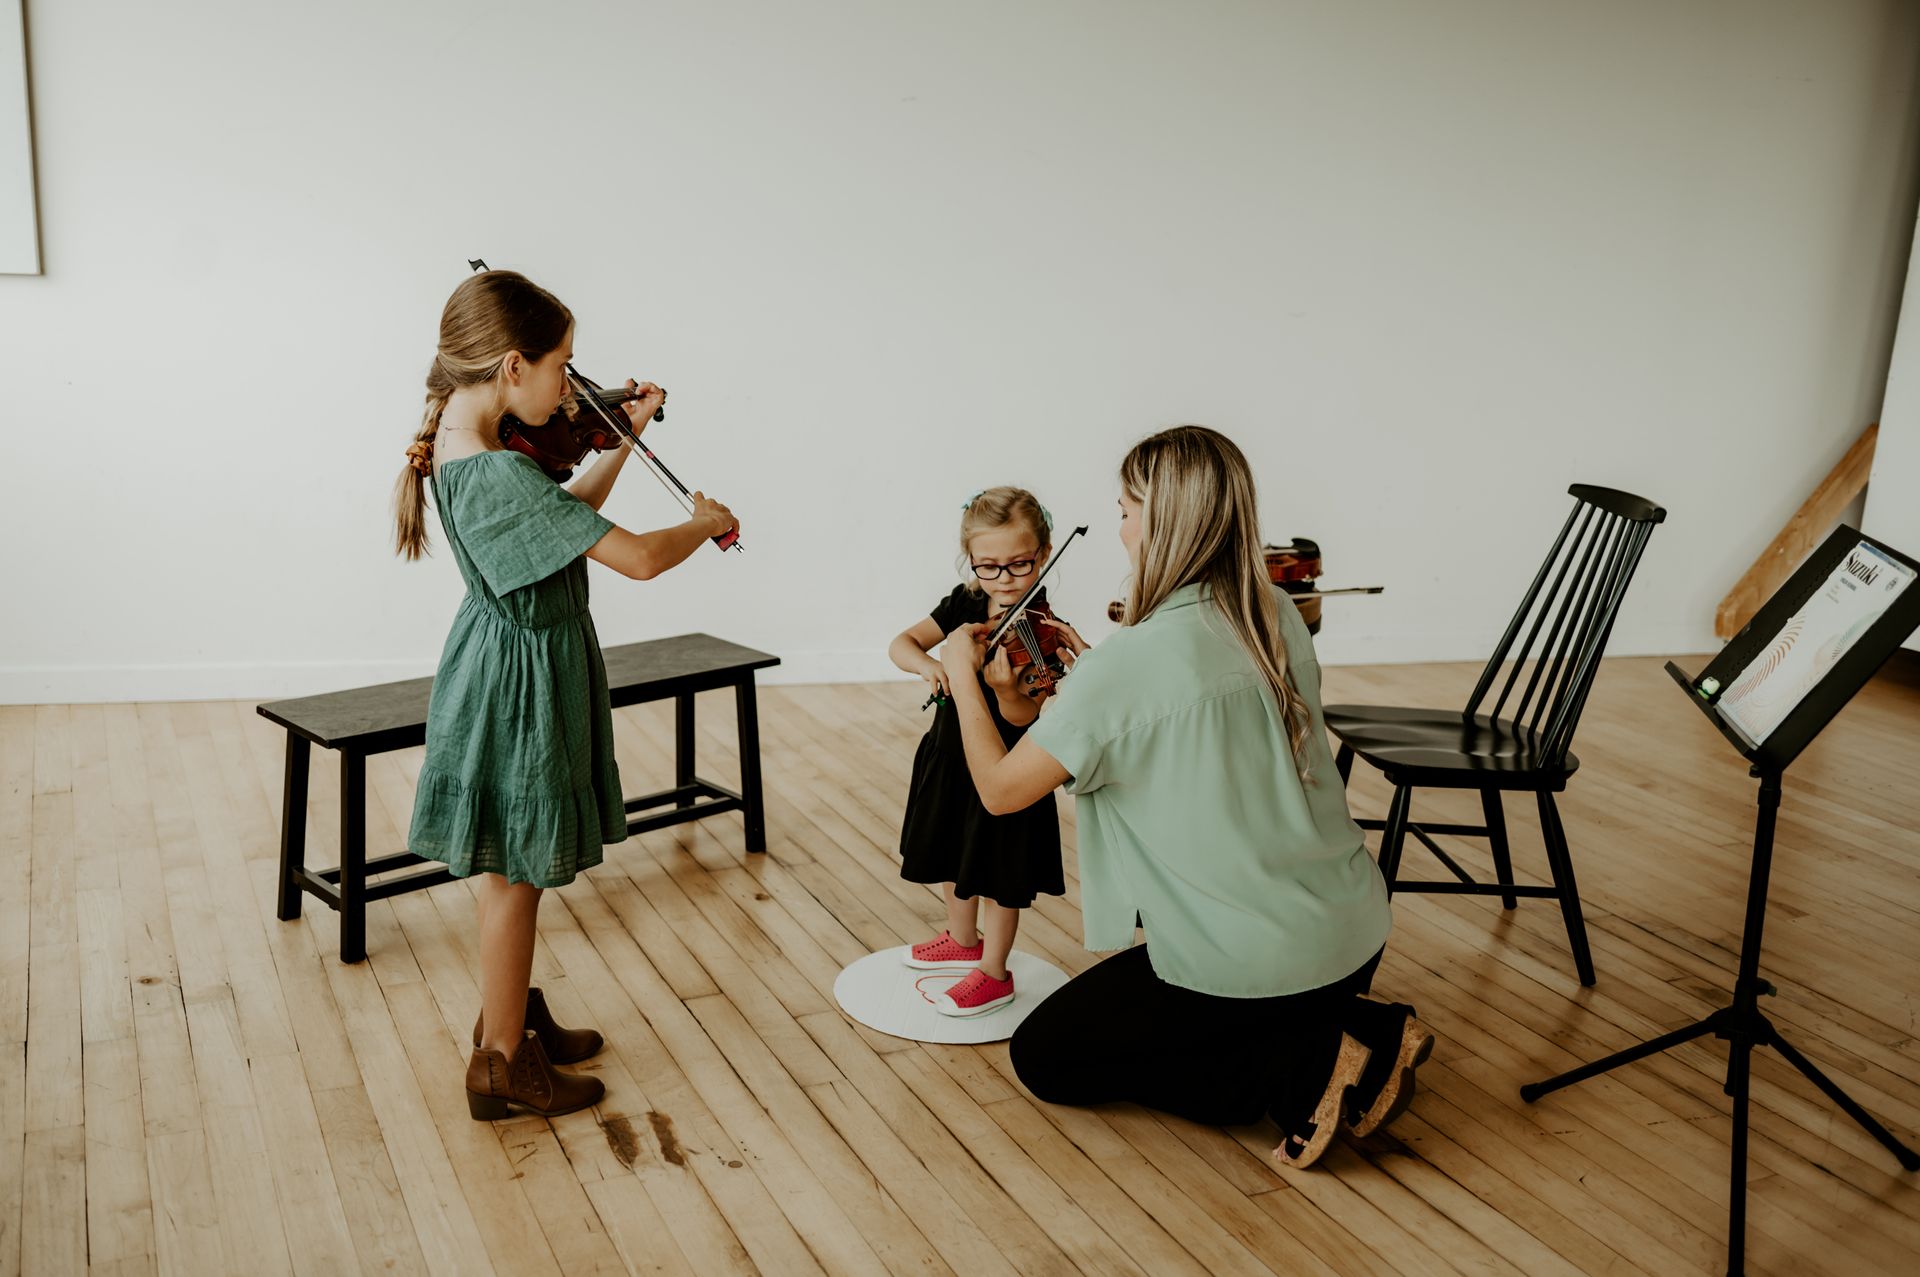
column 189, row 1086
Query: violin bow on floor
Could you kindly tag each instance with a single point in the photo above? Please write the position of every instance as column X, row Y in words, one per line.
column 585, row 392
column 1018, row 610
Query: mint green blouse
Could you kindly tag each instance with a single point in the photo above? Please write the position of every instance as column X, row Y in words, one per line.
column 1248, row 882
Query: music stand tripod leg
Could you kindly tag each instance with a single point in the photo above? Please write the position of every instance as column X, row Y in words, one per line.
column 1908, row 1159
column 1653, row 1046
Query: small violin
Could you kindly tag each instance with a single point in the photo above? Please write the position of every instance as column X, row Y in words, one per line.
column 1032, row 644
column 1028, row 633
column 558, row 444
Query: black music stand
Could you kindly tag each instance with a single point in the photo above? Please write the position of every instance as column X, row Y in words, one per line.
column 1741, row 1022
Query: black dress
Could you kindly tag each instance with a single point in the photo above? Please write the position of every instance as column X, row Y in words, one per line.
column 947, row 835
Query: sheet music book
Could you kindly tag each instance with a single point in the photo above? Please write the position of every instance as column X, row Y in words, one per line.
column 1859, row 590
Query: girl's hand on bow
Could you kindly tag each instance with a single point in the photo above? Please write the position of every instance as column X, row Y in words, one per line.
column 717, row 516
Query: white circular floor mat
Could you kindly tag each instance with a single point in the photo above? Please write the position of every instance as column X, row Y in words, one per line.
column 883, row 993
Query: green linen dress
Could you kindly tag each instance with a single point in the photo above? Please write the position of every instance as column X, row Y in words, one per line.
column 520, row 778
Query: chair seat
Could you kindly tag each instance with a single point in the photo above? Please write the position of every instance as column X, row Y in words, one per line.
column 1441, row 748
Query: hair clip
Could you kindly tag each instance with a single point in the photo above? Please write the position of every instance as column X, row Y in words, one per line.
column 968, row 503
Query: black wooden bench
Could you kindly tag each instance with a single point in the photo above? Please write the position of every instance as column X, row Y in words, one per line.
column 372, row 720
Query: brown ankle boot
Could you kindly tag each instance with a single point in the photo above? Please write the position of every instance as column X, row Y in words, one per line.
column 496, row 1085
column 563, row 1046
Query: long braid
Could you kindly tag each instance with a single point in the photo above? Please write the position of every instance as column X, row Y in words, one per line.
column 410, row 489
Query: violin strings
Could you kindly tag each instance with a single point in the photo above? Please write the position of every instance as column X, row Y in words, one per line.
column 1029, row 639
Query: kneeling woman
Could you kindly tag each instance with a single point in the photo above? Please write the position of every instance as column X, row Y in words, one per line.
column 1210, row 808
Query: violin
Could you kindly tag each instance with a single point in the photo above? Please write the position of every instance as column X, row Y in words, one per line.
column 559, row 443
column 1028, row 634
column 1032, row 644
column 1295, row 568
column 586, row 421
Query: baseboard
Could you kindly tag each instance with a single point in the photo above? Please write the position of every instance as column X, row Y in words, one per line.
column 90, row 685
column 118, row 684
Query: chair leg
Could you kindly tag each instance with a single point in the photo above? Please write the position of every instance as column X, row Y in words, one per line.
column 1560, row 861
column 1496, row 816
column 1343, row 762
column 1394, row 835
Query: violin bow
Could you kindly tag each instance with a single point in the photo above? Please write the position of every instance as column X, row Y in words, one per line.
column 584, row 389
column 1018, row 610
column 728, row 540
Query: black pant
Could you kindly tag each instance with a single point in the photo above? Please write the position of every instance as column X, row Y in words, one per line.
column 1119, row 1032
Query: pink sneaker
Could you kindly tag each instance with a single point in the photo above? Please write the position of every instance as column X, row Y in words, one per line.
column 975, row 994
column 941, row 951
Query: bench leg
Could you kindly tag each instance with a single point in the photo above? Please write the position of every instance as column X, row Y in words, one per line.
column 755, row 810
column 353, row 856
column 293, row 826
column 683, row 746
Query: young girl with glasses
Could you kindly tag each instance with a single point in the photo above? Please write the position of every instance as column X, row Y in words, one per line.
column 989, row 867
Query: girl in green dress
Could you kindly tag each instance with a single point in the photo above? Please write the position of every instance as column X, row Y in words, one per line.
column 520, row 789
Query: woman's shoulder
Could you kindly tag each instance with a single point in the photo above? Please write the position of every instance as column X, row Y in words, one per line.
column 1116, row 660
column 1173, row 660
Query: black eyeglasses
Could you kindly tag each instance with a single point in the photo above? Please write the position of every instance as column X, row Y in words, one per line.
column 992, row 571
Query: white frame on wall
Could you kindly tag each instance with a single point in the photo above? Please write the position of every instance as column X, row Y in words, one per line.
column 19, row 220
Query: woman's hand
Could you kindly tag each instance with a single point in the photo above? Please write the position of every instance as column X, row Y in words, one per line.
column 960, row 654
column 640, row 411
column 1071, row 644
column 718, row 516
column 1074, row 642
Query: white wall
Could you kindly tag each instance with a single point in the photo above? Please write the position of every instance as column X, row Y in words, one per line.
column 1893, row 493
column 1428, row 263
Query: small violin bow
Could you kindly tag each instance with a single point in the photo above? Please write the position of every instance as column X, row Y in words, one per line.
column 617, row 422
column 1018, row 610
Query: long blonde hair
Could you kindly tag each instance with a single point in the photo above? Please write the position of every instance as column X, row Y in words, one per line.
column 1200, row 522
column 490, row 315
